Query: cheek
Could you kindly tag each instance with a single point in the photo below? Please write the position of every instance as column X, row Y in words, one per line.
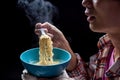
column 112, row 13
column 113, row 18
column 109, row 15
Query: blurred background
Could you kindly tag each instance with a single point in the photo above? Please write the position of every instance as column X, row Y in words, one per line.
column 67, row 15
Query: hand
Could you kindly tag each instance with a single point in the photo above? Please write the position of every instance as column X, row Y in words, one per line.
column 58, row 39
column 57, row 36
column 26, row 76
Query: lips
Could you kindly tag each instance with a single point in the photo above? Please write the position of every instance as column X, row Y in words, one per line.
column 89, row 13
column 90, row 18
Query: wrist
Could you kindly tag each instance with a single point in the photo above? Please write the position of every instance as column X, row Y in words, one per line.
column 73, row 62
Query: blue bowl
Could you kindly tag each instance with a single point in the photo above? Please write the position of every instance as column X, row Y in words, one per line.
column 29, row 57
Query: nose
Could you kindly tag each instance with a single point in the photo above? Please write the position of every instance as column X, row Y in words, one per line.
column 87, row 3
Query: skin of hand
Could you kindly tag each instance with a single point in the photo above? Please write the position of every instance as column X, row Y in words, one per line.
column 58, row 39
column 26, row 76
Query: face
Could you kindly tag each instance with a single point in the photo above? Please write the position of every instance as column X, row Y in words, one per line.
column 103, row 15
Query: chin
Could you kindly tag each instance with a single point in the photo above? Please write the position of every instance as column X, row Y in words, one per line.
column 95, row 28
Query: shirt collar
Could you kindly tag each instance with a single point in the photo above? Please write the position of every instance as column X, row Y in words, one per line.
column 104, row 41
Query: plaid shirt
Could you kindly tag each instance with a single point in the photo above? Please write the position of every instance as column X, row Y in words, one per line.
column 95, row 69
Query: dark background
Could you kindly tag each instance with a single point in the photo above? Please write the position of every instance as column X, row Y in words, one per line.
column 19, row 35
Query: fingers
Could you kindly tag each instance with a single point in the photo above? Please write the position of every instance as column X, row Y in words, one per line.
column 25, row 71
column 39, row 26
column 27, row 76
column 44, row 25
column 49, row 28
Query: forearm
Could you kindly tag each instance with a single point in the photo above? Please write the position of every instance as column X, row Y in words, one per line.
column 65, row 45
column 73, row 62
column 80, row 70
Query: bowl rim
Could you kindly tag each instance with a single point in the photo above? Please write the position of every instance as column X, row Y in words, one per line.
column 46, row 65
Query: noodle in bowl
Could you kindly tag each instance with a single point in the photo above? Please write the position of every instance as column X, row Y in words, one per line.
column 30, row 57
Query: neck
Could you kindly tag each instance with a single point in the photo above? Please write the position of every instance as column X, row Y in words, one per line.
column 115, row 38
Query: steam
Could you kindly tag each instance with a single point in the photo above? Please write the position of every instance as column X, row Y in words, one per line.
column 38, row 10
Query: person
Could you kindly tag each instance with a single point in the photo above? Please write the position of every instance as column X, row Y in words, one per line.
column 103, row 17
